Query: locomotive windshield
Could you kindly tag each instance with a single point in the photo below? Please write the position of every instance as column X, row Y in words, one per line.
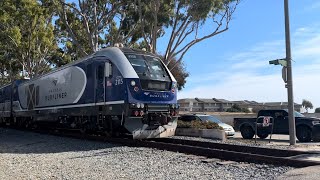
column 151, row 71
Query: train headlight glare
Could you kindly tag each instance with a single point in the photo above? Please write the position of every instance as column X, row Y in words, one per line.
column 142, row 105
column 133, row 83
column 138, row 105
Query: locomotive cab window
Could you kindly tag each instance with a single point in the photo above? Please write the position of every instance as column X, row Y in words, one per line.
column 151, row 71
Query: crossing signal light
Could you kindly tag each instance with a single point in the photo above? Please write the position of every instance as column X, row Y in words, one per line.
column 282, row 62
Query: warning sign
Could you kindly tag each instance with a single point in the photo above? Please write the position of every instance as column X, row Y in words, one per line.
column 266, row 121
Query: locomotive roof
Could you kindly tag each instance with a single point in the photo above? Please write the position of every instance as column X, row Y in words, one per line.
column 102, row 52
column 113, row 53
column 132, row 50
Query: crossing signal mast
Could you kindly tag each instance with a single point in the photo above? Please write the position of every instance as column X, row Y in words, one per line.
column 287, row 75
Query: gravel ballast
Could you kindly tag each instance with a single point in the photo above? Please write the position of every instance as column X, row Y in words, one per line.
column 27, row 155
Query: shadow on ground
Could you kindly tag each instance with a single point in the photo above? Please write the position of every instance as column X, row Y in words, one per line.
column 22, row 142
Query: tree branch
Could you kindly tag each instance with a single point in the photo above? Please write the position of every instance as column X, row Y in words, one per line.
column 63, row 14
column 142, row 25
column 225, row 16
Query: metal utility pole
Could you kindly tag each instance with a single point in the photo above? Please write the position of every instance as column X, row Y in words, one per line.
column 292, row 123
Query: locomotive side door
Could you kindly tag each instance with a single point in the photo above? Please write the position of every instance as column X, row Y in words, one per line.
column 99, row 82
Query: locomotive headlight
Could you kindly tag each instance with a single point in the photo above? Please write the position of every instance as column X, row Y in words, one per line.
column 133, row 83
column 138, row 105
column 142, row 105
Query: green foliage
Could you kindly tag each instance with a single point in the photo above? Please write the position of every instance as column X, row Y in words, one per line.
column 84, row 26
column 36, row 35
column 237, row 108
column 307, row 104
column 198, row 125
column 27, row 36
column 180, row 74
column 317, row 110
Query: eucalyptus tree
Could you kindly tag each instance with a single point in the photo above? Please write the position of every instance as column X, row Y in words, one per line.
column 184, row 21
column 82, row 25
column 26, row 34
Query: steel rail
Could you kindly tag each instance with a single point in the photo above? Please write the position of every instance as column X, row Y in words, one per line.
column 215, row 150
column 233, row 147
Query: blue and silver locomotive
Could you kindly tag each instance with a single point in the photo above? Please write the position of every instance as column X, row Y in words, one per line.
column 114, row 90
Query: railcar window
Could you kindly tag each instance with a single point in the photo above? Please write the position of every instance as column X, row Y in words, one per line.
column 138, row 63
column 156, row 66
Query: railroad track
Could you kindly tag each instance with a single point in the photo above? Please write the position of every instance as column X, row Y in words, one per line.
column 241, row 153
column 208, row 149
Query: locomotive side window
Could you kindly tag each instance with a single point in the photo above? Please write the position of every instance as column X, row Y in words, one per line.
column 100, row 72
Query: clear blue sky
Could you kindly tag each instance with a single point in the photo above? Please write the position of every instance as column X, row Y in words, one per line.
column 234, row 65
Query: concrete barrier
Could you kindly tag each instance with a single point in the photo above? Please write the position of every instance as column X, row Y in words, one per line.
column 205, row 133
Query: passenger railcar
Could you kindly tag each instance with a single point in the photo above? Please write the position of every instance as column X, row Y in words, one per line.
column 114, row 90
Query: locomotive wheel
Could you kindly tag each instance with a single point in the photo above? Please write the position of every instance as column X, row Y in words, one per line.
column 27, row 125
column 83, row 130
column 106, row 133
column 34, row 126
